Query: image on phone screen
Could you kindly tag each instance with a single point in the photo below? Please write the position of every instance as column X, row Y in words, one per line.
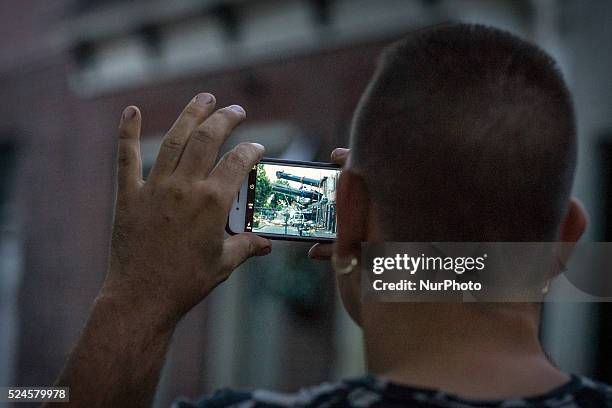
column 289, row 200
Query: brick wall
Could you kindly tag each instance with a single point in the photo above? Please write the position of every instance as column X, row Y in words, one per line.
column 65, row 172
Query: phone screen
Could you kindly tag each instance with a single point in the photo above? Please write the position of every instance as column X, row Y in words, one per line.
column 292, row 200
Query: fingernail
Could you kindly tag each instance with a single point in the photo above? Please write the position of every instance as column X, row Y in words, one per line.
column 204, row 99
column 238, row 108
column 312, row 252
column 129, row 113
column 258, row 146
column 264, row 251
column 339, row 153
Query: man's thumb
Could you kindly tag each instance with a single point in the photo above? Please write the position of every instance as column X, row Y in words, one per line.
column 241, row 247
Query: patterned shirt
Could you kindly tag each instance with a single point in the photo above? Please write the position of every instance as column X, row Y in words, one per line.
column 374, row 392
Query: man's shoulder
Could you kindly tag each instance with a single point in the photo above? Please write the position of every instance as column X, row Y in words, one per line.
column 370, row 392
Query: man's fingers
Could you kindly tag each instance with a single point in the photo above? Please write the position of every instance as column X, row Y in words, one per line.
column 173, row 144
column 203, row 145
column 322, row 252
column 233, row 168
column 129, row 165
column 340, row 155
column 239, row 248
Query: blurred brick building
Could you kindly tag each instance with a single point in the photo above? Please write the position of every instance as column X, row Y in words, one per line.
column 69, row 68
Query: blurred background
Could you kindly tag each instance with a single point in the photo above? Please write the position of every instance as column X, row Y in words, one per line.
column 69, row 67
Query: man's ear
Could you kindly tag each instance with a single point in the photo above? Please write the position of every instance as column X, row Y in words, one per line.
column 572, row 227
column 352, row 204
column 574, row 223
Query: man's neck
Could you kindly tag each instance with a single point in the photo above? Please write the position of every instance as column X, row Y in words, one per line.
column 480, row 351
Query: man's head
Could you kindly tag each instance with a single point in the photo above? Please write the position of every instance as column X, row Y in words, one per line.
column 465, row 133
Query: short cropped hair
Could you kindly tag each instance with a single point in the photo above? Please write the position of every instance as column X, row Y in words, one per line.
column 466, row 133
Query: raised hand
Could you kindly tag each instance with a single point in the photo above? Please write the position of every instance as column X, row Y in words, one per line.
column 168, row 246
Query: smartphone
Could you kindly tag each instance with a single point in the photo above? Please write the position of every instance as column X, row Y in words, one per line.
column 288, row 200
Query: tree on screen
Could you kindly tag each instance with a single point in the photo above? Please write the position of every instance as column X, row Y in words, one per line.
column 265, row 197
